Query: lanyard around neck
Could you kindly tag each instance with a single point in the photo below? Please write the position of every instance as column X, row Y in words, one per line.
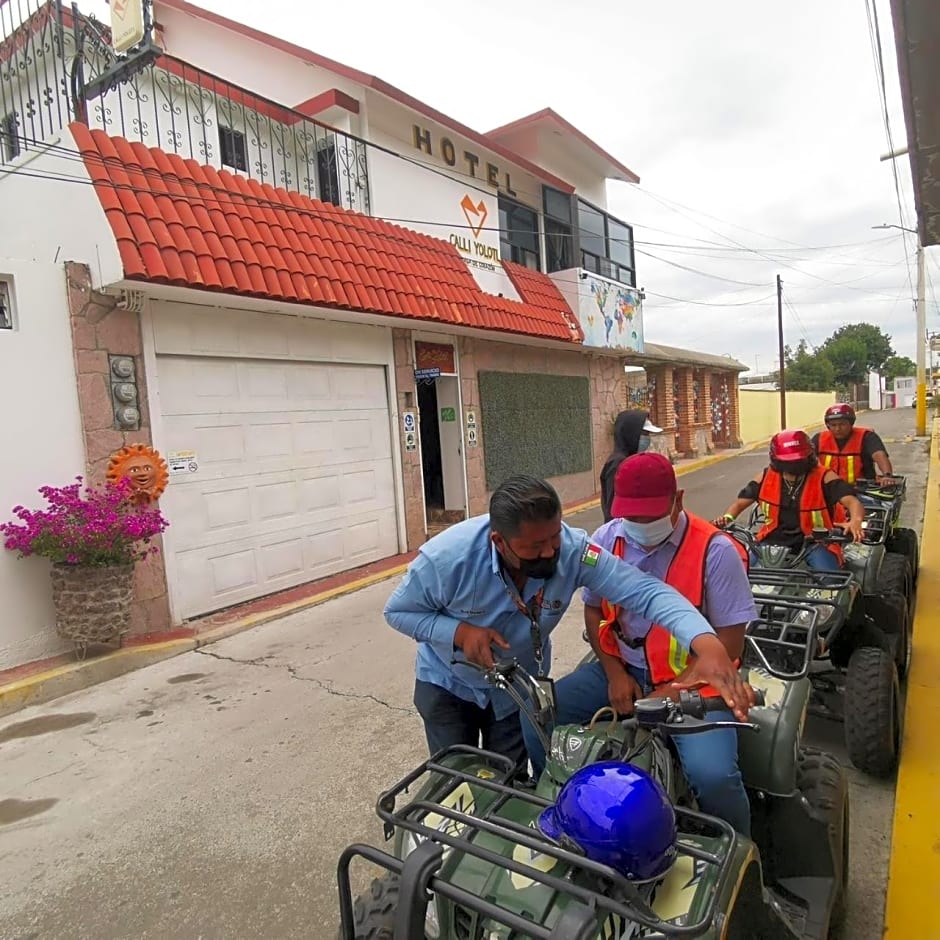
column 533, row 613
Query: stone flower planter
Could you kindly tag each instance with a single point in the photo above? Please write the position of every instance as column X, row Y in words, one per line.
column 92, row 605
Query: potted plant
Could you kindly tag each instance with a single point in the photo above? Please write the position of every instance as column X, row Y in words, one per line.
column 93, row 539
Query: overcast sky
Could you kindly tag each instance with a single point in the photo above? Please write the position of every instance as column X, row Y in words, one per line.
column 752, row 125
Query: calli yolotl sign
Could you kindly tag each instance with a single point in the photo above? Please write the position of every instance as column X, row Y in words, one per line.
column 478, row 243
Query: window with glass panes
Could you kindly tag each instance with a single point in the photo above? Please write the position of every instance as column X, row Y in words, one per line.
column 518, row 234
column 558, row 209
column 606, row 244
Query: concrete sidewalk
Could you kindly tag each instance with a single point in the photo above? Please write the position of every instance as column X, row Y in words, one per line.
column 914, row 874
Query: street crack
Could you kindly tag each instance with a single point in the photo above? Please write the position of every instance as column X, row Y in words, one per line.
column 325, row 685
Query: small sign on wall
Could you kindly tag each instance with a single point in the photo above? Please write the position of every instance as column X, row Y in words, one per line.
column 471, row 418
column 471, row 437
column 411, row 440
column 408, row 422
column 448, row 414
column 182, row 461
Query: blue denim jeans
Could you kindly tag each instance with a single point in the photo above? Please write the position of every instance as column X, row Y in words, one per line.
column 449, row 720
column 709, row 759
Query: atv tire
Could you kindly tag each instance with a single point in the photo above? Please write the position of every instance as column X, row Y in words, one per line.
column 872, row 711
column 822, row 784
column 374, row 911
column 892, row 616
column 896, row 576
column 904, row 542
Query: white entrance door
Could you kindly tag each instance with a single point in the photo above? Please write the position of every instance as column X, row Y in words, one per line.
column 294, row 480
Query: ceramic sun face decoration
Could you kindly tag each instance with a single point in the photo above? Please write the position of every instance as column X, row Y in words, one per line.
column 143, row 467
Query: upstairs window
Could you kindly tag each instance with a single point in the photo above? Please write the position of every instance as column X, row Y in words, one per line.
column 6, row 306
column 233, row 148
column 10, row 144
column 606, row 245
column 519, row 234
column 559, row 241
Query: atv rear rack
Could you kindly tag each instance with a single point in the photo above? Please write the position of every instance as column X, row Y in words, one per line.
column 595, row 892
column 876, row 525
column 783, row 638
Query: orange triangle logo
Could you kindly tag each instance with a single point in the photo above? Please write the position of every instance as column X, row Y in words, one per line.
column 475, row 214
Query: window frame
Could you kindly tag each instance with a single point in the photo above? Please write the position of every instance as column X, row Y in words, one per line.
column 571, row 231
column 7, row 306
column 504, row 240
column 10, row 139
column 236, row 137
column 606, row 265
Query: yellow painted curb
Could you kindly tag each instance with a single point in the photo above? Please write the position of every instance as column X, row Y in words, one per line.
column 72, row 677
column 914, row 871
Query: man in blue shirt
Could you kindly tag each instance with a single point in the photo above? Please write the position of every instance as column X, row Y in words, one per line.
column 654, row 533
column 505, row 580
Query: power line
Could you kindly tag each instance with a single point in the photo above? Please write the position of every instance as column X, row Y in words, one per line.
column 227, row 196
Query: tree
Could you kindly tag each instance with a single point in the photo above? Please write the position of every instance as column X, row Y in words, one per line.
column 849, row 359
column 898, row 367
column 875, row 346
column 807, row 371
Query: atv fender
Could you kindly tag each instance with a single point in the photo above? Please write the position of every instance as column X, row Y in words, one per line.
column 864, row 561
column 768, row 760
column 804, row 842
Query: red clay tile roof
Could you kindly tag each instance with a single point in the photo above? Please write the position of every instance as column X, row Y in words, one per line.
column 177, row 222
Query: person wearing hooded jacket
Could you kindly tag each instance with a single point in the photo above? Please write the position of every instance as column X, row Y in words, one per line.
column 632, row 430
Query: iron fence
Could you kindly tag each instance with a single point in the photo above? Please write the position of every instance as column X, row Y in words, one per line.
column 34, row 88
column 50, row 55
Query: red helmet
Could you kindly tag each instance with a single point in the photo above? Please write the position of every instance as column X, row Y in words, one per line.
column 840, row 412
column 789, row 446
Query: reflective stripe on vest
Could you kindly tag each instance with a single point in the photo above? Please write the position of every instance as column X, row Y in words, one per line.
column 813, row 510
column 846, row 461
column 666, row 658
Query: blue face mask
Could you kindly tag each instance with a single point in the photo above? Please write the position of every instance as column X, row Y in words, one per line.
column 644, row 443
column 648, row 534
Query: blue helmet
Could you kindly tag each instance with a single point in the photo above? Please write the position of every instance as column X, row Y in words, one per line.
column 618, row 815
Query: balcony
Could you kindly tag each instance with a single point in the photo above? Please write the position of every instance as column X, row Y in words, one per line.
column 167, row 104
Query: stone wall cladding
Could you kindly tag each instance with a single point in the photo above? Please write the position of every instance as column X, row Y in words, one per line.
column 100, row 329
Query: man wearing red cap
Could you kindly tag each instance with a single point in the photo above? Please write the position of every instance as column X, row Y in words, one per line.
column 635, row 657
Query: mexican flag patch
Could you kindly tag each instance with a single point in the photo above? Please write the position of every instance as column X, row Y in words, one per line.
column 590, row 555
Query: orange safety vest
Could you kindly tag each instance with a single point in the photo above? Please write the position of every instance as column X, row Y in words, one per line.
column 814, row 512
column 665, row 656
column 845, row 462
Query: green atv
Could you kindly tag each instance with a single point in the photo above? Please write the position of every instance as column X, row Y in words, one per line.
column 470, row 864
column 864, row 632
column 883, row 502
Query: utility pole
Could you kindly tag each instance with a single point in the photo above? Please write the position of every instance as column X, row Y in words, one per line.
column 783, row 373
column 921, row 400
column 921, row 344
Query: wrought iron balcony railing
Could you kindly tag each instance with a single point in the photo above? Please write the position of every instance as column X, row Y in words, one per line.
column 49, row 54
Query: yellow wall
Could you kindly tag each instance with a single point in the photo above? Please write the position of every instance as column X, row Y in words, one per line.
column 760, row 412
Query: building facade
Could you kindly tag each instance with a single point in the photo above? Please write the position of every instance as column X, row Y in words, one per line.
column 347, row 316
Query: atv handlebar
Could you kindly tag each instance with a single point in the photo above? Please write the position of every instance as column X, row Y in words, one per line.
column 687, row 716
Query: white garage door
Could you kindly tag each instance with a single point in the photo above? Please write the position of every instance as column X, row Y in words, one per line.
column 295, row 477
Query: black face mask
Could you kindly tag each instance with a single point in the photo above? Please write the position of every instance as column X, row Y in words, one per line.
column 539, row 568
column 797, row 467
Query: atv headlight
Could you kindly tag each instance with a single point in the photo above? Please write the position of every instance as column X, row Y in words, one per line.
column 824, row 613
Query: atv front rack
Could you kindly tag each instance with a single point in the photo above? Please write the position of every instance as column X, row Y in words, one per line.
column 595, row 892
column 792, row 581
